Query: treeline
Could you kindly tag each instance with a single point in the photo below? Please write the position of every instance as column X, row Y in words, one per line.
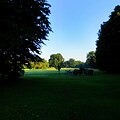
column 57, row 61
column 44, row 64
column 72, row 63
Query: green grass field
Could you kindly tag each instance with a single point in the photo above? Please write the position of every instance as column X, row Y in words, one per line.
column 48, row 95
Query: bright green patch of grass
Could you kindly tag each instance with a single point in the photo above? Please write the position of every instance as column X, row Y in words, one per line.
column 49, row 95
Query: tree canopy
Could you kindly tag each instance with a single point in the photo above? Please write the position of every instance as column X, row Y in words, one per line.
column 108, row 43
column 39, row 64
column 91, row 59
column 56, row 60
column 24, row 25
column 72, row 63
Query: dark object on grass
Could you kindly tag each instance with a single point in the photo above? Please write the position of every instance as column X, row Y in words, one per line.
column 88, row 71
column 78, row 71
column 81, row 71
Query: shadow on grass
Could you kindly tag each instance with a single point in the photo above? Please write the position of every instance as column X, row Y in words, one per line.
column 46, row 95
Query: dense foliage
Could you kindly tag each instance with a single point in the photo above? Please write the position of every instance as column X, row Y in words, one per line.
column 72, row 63
column 108, row 44
column 24, row 24
column 56, row 60
column 39, row 65
column 91, row 59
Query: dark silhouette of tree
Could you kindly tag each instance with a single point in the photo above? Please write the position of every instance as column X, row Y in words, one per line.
column 108, row 43
column 24, row 24
column 91, row 59
column 56, row 60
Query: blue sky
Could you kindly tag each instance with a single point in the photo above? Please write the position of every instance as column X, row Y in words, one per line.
column 75, row 26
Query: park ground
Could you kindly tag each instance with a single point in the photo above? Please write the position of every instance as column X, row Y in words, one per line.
column 50, row 95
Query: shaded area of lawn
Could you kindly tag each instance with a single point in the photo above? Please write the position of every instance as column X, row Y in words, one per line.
column 48, row 95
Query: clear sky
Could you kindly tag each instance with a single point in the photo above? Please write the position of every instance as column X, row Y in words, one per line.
column 75, row 26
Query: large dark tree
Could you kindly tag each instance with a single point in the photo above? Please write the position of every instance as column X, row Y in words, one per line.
column 108, row 44
column 24, row 25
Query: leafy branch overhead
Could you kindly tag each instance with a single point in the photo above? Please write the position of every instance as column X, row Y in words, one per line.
column 24, row 25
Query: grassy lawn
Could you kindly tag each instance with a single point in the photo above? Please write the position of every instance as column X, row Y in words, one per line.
column 48, row 95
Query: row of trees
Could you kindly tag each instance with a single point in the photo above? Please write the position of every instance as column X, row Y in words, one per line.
column 24, row 25
column 72, row 63
column 106, row 57
column 56, row 61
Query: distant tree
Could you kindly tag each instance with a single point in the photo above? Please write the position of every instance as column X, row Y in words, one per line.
column 91, row 59
column 108, row 43
column 56, row 60
column 78, row 63
column 72, row 63
column 24, row 24
column 66, row 64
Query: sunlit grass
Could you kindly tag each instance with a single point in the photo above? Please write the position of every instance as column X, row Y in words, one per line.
column 50, row 95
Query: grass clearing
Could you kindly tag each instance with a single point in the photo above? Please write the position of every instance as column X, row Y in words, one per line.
column 49, row 95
